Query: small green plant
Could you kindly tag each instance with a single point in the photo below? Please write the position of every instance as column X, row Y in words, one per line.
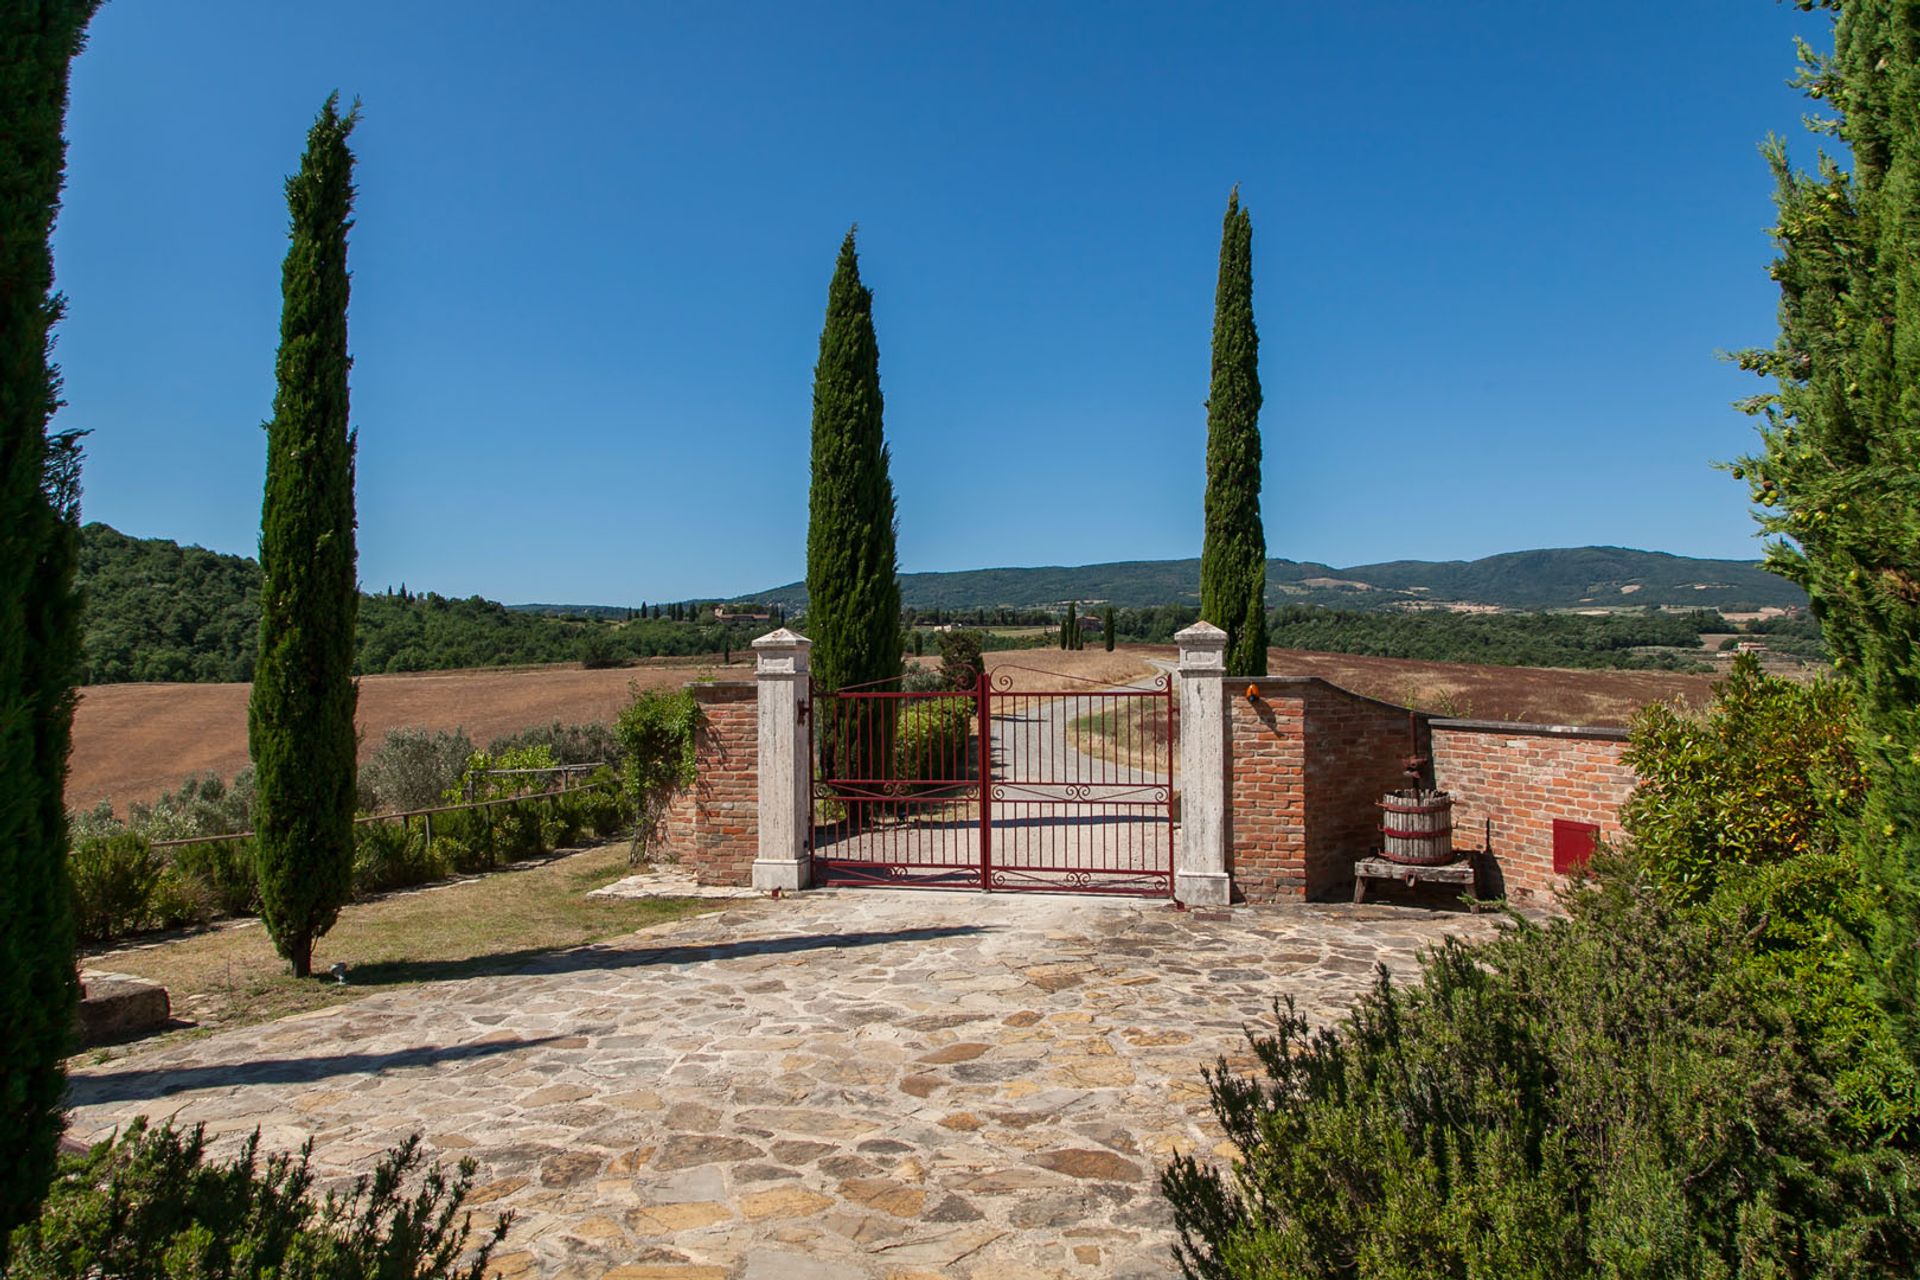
column 151, row 1206
column 113, row 879
column 658, row 730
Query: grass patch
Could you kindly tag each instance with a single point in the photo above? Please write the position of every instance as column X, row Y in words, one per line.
column 229, row 975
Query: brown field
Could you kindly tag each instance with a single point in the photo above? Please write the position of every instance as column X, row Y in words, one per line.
column 1529, row 695
column 133, row 741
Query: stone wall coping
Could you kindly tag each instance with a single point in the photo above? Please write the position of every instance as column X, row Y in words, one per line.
column 721, row 686
column 1607, row 733
column 1321, row 682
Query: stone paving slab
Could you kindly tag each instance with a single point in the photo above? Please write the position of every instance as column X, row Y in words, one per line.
column 851, row 1083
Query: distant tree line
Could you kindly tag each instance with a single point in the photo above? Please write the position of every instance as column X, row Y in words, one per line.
column 155, row 610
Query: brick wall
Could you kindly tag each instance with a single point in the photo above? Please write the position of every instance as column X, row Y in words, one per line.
column 1266, row 816
column 713, row 826
column 1307, row 763
column 1357, row 751
column 1509, row 784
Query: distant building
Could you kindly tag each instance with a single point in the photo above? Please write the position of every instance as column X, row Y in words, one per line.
column 722, row 614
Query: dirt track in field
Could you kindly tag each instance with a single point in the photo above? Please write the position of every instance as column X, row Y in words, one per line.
column 133, row 741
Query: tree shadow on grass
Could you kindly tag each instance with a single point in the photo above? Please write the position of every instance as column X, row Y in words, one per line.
column 87, row 1090
column 606, row 957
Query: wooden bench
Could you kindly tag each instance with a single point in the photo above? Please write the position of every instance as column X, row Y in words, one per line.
column 1459, row 872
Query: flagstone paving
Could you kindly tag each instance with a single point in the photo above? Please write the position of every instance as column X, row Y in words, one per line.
column 897, row 1085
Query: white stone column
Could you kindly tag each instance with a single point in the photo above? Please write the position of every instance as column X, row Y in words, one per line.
column 1200, row 876
column 785, row 809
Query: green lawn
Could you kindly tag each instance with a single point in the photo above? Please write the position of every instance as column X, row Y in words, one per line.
column 229, row 975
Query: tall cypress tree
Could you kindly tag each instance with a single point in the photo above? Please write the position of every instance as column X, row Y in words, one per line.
column 853, row 593
column 1106, row 627
column 1838, row 478
column 1233, row 559
column 300, row 720
column 39, row 612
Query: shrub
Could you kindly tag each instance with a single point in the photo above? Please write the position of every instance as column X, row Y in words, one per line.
column 930, row 739
column 960, row 661
column 413, row 769
column 475, row 784
column 113, row 879
column 203, row 806
column 598, row 650
column 464, row 840
column 225, row 868
column 391, row 855
column 567, row 743
column 150, row 1206
column 1769, row 773
column 657, row 730
column 180, row 900
column 1605, row 1096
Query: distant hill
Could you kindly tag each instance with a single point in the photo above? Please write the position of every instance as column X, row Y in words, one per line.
column 154, row 610
column 1563, row 578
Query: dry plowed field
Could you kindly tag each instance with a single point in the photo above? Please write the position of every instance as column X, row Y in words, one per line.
column 133, row 741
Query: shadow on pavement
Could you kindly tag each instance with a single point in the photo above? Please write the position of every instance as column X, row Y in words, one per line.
column 87, row 1090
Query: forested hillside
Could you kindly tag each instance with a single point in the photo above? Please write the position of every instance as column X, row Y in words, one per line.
column 158, row 611
column 1564, row 578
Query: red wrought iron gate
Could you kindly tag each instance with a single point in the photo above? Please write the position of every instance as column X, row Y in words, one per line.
column 997, row 786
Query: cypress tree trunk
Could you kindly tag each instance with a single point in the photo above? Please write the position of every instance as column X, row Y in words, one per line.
column 1841, row 435
column 300, row 720
column 1233, row 559
column 853, row 609
column 39, row 612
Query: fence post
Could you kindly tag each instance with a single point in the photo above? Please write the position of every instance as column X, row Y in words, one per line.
column 1200, row 875
column 782, row 673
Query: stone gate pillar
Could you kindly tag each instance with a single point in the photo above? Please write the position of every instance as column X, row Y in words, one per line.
column 786, row 810
column 1200, row 876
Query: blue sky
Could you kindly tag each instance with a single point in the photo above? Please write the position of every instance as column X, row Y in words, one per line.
column 1496, row 248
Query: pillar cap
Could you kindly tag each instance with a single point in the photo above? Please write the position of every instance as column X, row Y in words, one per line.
column 1203, row 649
column 782, row 652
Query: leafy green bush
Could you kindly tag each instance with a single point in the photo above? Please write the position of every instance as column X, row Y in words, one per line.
column 598, row 650
column 930, row 739
column 567, row 743
column 476, row 784
column 1746, row 811
column 150, row 1206
column 465, row 840
column 113, row 879
column 960, row 660
column 225, row 867
column 1616, row 1094
column 393, row 855
column 413, row 768
column 180, row 900
column 1769, row 773
column 657, row 730
column 203, row 806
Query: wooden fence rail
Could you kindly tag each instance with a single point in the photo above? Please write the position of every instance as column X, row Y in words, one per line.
column 425, row 814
